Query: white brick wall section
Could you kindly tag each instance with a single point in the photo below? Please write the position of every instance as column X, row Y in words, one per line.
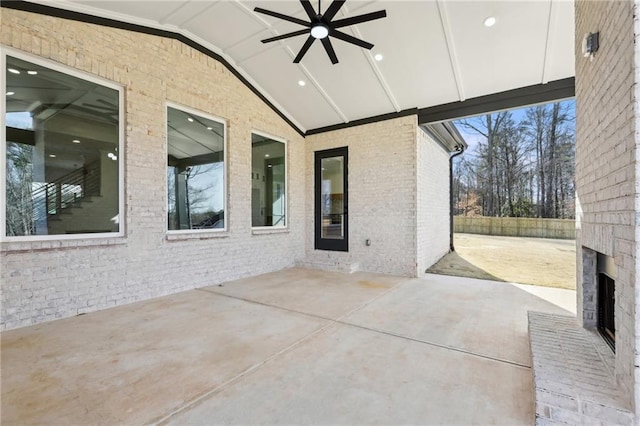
column 44, row 281
column 382, row 195
column 433, row 202
column 607, row 169
column 636, row 289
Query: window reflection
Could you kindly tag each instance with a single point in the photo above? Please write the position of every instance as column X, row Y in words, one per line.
column 268, row 182
column 195, row 171
column 62, row 160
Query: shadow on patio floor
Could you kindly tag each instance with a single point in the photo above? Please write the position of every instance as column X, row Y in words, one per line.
column 454, row 265
column 537, row 261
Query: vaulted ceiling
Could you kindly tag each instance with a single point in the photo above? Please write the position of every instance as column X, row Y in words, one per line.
column 433, row 52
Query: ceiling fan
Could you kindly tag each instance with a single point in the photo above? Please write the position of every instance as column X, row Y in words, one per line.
column 321, row 26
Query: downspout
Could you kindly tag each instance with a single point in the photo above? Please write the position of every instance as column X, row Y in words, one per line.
column 460, row 150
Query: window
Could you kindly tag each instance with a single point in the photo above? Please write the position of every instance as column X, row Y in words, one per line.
column 195, row 171
column 62, row 152
column 268, row 182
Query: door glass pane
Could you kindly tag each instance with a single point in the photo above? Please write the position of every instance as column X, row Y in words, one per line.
column 332, row 196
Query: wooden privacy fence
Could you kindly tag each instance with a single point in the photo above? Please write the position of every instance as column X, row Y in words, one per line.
column 516, row 226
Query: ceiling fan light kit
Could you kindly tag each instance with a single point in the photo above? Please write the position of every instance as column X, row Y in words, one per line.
column 322, row 27
column 319, row 31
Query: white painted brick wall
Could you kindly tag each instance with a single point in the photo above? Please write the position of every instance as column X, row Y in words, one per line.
column 634, row 291
column 433, row 202
column 382, row 195
column 606, row 168
column 43, row 281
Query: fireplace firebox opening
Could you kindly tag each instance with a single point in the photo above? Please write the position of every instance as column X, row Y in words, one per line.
column 606, row 309
column 605, row 298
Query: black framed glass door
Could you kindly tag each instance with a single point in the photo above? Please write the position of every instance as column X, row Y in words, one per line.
column 331, row 200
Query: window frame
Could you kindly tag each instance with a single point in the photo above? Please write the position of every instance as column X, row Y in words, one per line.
column 225, row 181
column 272, row 229
column 83, row 75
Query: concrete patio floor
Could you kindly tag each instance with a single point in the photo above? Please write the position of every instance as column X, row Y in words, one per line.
column 297, row 346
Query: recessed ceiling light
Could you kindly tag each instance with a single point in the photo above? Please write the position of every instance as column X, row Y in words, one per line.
column 209, row 128
column 302, row 83
column 32, row 72
column 266, row 155
column 269, row 165
column 75, row 141
column 190, row 119
column 490, row 21
column 378, row 57
column 11, row 93
column 13, row 70
column 52, row 155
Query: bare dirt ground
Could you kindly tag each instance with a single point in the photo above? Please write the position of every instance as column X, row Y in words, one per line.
column 538, row 261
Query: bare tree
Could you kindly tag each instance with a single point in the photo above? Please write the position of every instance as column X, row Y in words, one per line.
column 520, row 167
column 19, row 180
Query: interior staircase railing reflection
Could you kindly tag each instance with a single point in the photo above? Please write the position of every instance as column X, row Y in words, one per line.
column 55, row 197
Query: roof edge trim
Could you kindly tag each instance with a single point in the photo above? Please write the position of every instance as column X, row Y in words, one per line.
column 363, row 121
column 516, row 98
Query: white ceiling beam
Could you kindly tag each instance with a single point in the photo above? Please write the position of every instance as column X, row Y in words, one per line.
column 243, row 40
column 173, row 12
column 265, row 49
column 309, row 76
column 318, row 86
column 378, row 73
column 372, row 62
column 188, row 20
column 453, row 57
column 551, row 35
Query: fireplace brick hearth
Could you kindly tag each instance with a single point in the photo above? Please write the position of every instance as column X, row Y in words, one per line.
column 573, row 374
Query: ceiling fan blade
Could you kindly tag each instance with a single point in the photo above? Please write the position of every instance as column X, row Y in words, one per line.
column 311, row 13
column 287, row 35
column 281, row 16
column 307, row 44
column 359, row 19
column 329, row 48
column 332, row 10
column 350, row 39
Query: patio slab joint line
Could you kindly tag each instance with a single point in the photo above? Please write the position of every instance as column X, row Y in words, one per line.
column 438, row 345
column 238, row 376
column 256, row 366
column 340, row 320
